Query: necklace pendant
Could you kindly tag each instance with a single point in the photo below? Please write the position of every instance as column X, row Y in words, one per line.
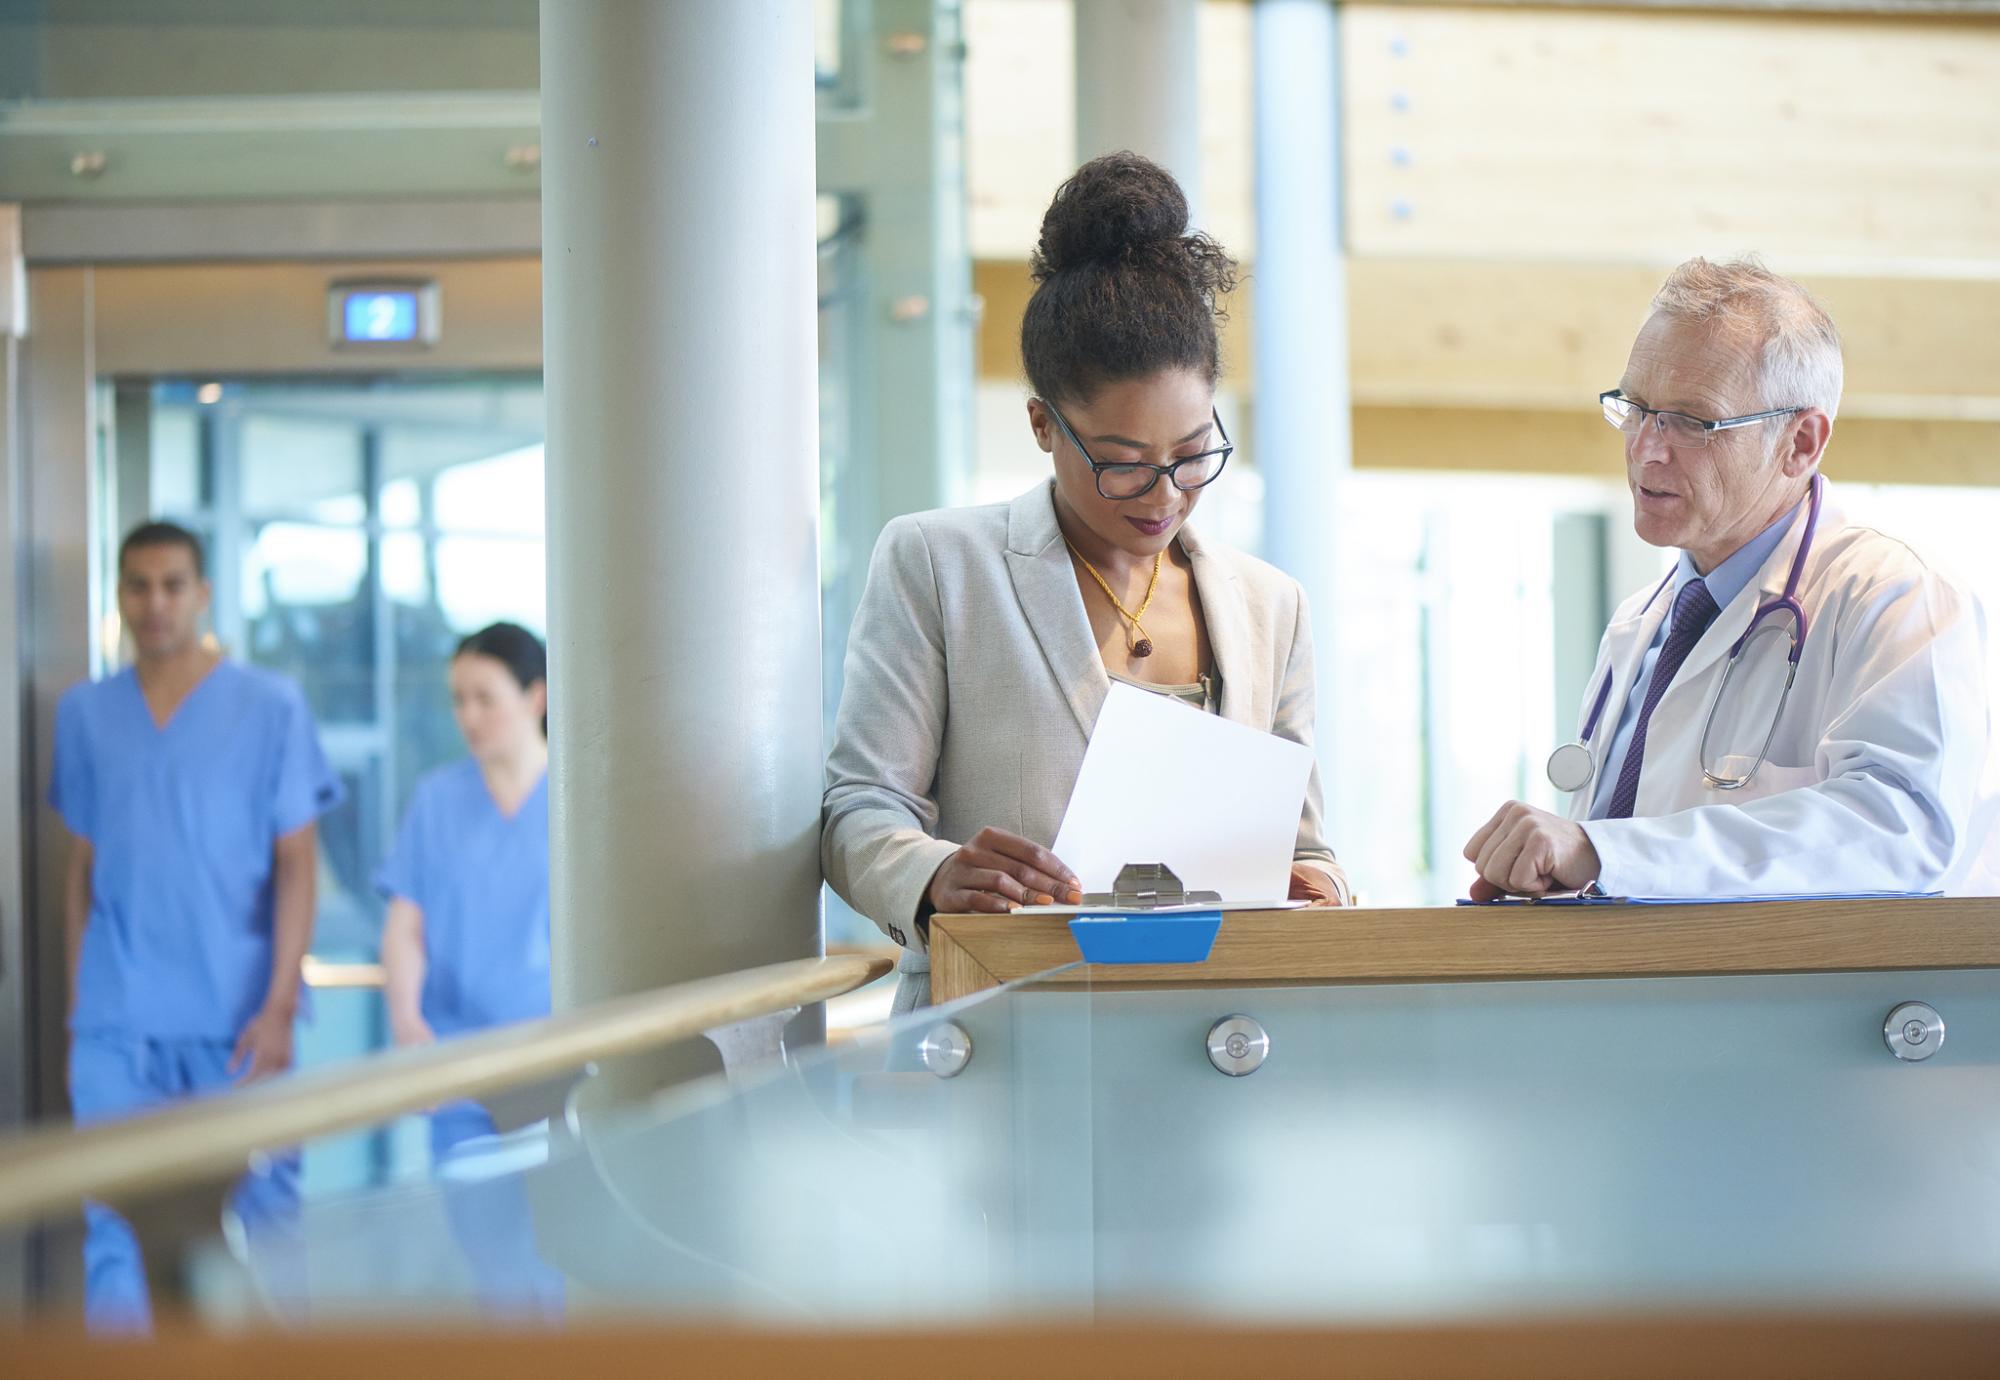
column 1143, row 647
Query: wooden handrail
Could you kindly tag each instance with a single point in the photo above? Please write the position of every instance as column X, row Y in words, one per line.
column 56, row 1167
column 1848, row 1344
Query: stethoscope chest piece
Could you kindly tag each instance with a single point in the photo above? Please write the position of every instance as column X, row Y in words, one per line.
column 1571, row 767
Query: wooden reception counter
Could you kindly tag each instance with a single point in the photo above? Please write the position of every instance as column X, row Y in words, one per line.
column 970, row 953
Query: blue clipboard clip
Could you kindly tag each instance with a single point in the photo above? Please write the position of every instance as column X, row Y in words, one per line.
column 1153, row 919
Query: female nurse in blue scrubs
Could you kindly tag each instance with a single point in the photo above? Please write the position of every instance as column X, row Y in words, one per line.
column 465, row 945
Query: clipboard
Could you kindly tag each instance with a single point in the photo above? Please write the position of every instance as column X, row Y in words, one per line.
column 1591, row 896
column 1148, row 917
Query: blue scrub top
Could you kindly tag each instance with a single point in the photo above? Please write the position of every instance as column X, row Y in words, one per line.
column 482, row 882
column 183, row 820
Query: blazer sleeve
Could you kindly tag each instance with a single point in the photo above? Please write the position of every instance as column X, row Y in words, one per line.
column 1297, row 700
column 879, row 814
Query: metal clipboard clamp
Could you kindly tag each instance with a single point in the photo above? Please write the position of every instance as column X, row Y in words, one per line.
column 1149, row 886
column 1129, row 934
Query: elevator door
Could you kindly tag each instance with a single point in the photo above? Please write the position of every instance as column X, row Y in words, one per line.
column 357, row 528
column 363, row 510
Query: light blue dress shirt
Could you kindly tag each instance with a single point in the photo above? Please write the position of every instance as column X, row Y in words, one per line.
column 1725, row 582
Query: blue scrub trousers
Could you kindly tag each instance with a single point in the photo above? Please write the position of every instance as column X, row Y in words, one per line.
column 492, row 1223
column 113, row 1075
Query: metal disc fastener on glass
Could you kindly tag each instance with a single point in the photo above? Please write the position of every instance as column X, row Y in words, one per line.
column 946, row 1049
column 1914, row 1031
column 1238, row 1045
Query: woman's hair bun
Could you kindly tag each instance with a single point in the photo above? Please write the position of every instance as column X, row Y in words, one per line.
column 1110, row 208
column 1122, row 289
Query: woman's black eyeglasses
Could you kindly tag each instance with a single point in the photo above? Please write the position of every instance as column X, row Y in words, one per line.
column 1124, row 480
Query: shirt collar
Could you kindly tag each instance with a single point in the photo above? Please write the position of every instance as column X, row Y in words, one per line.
column 1733, row 576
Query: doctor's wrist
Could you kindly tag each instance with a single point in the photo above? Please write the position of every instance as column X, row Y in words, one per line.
column 1601, row 838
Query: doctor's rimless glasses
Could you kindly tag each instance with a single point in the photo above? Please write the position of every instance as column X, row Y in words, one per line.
column 1677, row 428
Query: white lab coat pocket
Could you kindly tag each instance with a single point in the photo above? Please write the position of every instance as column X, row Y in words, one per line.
column 1768, row 779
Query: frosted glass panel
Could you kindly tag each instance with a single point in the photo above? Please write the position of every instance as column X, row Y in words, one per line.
column 1406, row 1152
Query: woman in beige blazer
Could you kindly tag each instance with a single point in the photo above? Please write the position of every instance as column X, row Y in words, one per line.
column 987, row 638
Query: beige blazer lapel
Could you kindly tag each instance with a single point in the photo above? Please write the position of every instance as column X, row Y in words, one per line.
column 1045, row 582
column 1227, row 617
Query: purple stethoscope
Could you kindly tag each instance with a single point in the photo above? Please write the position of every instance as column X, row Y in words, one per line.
column 1572, row 766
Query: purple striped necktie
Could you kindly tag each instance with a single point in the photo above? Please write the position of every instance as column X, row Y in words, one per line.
column 1694, row 610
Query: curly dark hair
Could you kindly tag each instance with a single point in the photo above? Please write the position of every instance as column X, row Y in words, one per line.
column 1122, row 289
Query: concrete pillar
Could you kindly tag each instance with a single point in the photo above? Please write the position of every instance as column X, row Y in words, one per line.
column 17, row 1031
column 679, row 337
column 1136, row 77
column 1303, row 434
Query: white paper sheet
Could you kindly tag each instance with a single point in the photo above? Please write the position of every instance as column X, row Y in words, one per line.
column 1163, row 782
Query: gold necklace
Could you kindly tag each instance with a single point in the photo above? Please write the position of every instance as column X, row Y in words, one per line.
column 1144, row 646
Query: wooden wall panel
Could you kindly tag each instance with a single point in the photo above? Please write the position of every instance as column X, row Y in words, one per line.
column 1493, row 333
column 1558, row 131
column 1020, row 113
column 271, row 317
column 1630, row 135
column 1003, row 288
column 1492, row 366
column 1870, row 450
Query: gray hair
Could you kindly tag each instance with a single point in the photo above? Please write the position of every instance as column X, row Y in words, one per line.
column 1801, row 364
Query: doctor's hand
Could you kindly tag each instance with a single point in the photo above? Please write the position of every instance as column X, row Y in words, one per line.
column 265, row 1046
column 997, row 871
column 1523, row 851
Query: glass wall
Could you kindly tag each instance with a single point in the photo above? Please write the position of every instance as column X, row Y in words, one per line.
column 1446, row 673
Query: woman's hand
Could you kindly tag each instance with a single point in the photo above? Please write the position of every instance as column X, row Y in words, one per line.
column 411, row 1030
column 997, row 871
column 1315, row 886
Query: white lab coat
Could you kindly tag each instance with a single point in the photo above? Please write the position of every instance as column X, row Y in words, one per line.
column 1877, row 778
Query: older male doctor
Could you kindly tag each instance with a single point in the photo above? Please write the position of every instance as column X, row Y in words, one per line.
column 1800, row 705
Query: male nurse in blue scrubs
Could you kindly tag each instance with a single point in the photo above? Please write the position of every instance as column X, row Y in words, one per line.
column 191, row 786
